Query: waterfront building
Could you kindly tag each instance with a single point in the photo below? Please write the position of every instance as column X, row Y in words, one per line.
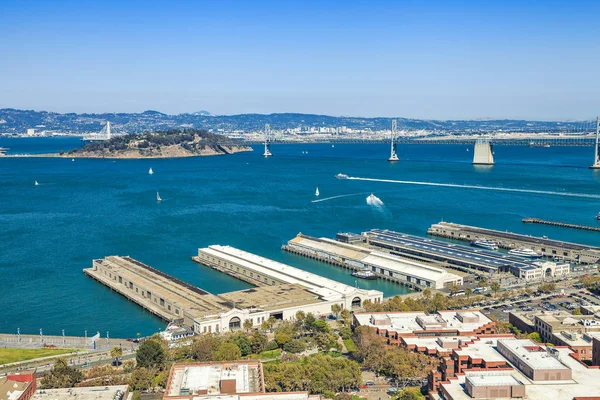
column 401, row 270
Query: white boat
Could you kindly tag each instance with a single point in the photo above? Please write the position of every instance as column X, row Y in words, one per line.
column 150, row 171
column 317, row 192
column 341, row 176
column 158, row 197
column 485, row 244
column 524, row 252
column 72, row 159
column 364, row 274
column 333, row 145
column 36, row 183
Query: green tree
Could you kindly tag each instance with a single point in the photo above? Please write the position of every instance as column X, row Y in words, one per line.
column 482, row 282
column 137, row 395
column 204, row 347
column 453, row 288
column 116, row 352
column 141, row 379
column 248, row 325
column 577, row 311
column 495, row 286
column 282, row 339
column 319, row 325
column 534, row 336
column 150, row 354
column 294, row 346
column 61, row 376
column 411, row 393
column 468, row 293
column 228, row 351
column 300, row 315
column 258, row 341
column 243, row 343
column 335, row 309
column 346, row 316
column 128, row 366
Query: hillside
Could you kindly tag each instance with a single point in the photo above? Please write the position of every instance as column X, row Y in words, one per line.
column 162, row 144
column 17, row 121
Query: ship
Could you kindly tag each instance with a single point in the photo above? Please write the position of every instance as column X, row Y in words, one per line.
column 485, row 244
column 598, row 216
column 524, row 252
column 364, row 274
column 342, row 176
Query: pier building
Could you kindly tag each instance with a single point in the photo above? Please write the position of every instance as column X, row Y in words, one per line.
column 253, row 268
column 404, row 271
column 458, row 256
column 565, row 251
column 287, row 291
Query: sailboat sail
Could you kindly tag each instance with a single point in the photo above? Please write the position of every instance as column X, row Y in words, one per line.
column 317, row 192
column 158, row 197
column 150, row 171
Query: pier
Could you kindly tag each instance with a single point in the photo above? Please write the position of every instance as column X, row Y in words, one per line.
column 561, row 224
column 557, row 249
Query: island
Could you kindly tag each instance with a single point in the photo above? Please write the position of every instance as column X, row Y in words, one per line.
column 161, row 144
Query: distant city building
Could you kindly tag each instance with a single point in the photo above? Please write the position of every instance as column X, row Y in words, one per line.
column 30, row 132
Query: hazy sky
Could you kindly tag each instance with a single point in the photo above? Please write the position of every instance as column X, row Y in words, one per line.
column 421, row 59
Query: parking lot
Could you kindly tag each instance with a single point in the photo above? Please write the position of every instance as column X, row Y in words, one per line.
column 550, row 302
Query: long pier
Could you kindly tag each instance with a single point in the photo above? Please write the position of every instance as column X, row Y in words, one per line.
column 530, row 141
column 561, row 224
column 564, row 251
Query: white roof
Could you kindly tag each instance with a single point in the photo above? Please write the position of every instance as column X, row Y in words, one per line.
column 324, row 287
column 377, row 259
column 405, row 322
column 534, row 359
column 492, row 379
column 585, row 382
column 483, row 349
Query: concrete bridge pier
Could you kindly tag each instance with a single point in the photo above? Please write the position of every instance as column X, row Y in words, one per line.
column 482, row 155
column 596, row 164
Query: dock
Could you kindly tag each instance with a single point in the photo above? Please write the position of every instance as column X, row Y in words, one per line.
column 561, row 224
column 557, row 249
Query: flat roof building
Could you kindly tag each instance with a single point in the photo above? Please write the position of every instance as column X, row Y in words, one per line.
column 395, row 325
column 18, row 386
column 120, row 392
column 401, row 270
column 227, row 380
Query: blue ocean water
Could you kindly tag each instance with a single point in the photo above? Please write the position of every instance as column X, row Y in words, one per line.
column 92, row 208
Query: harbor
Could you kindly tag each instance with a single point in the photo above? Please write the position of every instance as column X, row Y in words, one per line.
column 283, row 291
column 561, row 224
column 555, row 249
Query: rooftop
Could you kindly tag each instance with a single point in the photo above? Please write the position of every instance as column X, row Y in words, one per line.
column 492, row 379
column 484, row 349
column 11, row 390
column 214, row 379
column 408, row 322
column 530, row 353
column 83, row 393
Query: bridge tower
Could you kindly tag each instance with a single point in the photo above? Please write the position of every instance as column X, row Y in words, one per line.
column 108, row 129
column 596, row 164
column 267, row 152
column 393, row 154
column 483, row 155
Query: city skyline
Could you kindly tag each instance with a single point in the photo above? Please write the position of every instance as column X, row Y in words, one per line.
column 441, row 61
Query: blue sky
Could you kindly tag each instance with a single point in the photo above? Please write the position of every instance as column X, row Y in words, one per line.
column 421, row 59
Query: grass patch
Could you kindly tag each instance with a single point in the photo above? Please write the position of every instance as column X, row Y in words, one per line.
column 14, row 355
column 270, row 354
column 349, row 343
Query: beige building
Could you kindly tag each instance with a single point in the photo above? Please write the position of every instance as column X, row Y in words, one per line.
column 492, row 385
column 535, row 362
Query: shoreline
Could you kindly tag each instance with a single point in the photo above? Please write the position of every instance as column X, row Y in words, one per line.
column 230, row 151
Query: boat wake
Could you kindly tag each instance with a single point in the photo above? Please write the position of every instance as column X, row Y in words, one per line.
column 477, row 187
column 374, row 201
column 338, row 197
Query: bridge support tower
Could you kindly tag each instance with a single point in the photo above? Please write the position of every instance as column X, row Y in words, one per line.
column 483, row 155
column 596, row 164
column 393, row 154
column 267, row 152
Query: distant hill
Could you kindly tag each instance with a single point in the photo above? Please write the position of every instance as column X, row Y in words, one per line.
column 163, row 144
column 18, row 121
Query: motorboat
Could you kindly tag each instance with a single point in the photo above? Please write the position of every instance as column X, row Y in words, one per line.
column 485, row 244
column 524, row 252
column 341, row 176
column 364, row 274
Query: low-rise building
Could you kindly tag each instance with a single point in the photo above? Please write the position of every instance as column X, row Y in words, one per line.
column 18, row 386
column 535, row 362
column 397, row 325
column 120, row 392
column 229, row 380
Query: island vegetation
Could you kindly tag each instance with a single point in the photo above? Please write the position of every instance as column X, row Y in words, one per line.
column 161, row 144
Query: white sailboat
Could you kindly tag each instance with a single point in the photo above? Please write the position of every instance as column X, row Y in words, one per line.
column 72, row 159
column 158, row 197
column 150, row 171
column 36, row 183
column 317, row 192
